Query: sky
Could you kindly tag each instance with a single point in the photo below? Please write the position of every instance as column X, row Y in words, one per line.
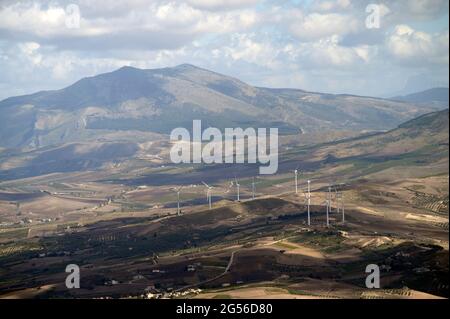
column 371, row 48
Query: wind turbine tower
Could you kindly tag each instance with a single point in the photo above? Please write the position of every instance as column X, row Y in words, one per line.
column 342, row 205
column 343, row 209
column 208, row 194
column 237, row 189
column 329, row 197
column 253, row 188
column 178, row 191
column 338, row 199
column 328, row 206
column 296, row 180
column 309, row 202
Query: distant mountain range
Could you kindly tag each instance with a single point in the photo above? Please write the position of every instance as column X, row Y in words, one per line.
column 426, row 133
column 436, row 95
column 131, row 104
column 418, row 147
column 423, row 140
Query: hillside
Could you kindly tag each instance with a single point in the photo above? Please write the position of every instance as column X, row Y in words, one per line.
column 131, row 104
column 423, row 140
column 419, row 144
column 436, row 95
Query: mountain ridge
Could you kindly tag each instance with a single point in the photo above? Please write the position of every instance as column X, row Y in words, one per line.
column 157, row 100
column 424, row 138
column 438, row 94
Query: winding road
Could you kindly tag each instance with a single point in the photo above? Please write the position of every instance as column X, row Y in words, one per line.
column 227, row 269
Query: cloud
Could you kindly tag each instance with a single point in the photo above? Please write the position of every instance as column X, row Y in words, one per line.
column 327, row 6
column 221, row 4
column 32, row 18
column 405, row 11
column 316, row 26
column 159, row 25
column 328, row 53
column 426, row 9
column 246, row 48
column 320, row 45
column 414, row 47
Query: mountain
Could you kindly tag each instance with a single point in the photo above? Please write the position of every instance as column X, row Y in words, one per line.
column 135, row 105
column 422, row 141
column 419, row 146
column 436, row 95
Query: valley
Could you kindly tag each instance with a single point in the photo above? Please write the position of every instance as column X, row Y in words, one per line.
column 119, row 223
column 224, row 158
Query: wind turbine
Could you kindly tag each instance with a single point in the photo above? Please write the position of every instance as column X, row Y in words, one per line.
column 340, row 200
column 178, row 191
column 237, row 189
column 343, row 209
column 328, row 213
column 337, row 196
column 208, row 193
column 329, row 197
column 296, row 179
column 309, row 202
column 254, row 187
column 328, row 206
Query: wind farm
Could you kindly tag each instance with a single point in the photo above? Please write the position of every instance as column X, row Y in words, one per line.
column 271, row 236
column 142, row 226
column 212, row 149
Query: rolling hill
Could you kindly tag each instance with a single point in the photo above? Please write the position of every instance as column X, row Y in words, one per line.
column 137, row 105
column 436, row 95
column 421, row 141
column 419, row 146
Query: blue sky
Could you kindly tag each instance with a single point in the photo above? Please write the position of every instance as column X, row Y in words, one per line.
column 320, row 45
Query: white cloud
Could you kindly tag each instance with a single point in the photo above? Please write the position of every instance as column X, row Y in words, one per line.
column 221, row 4
column 427, row 8
column 29, row 49
column 319, row 45
column 316, row 25
column 21, row 17
column 411, row 46
column 245, row 47
column 328, row 53
column 327, row 6
column 406, row 11
column 176, row 20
